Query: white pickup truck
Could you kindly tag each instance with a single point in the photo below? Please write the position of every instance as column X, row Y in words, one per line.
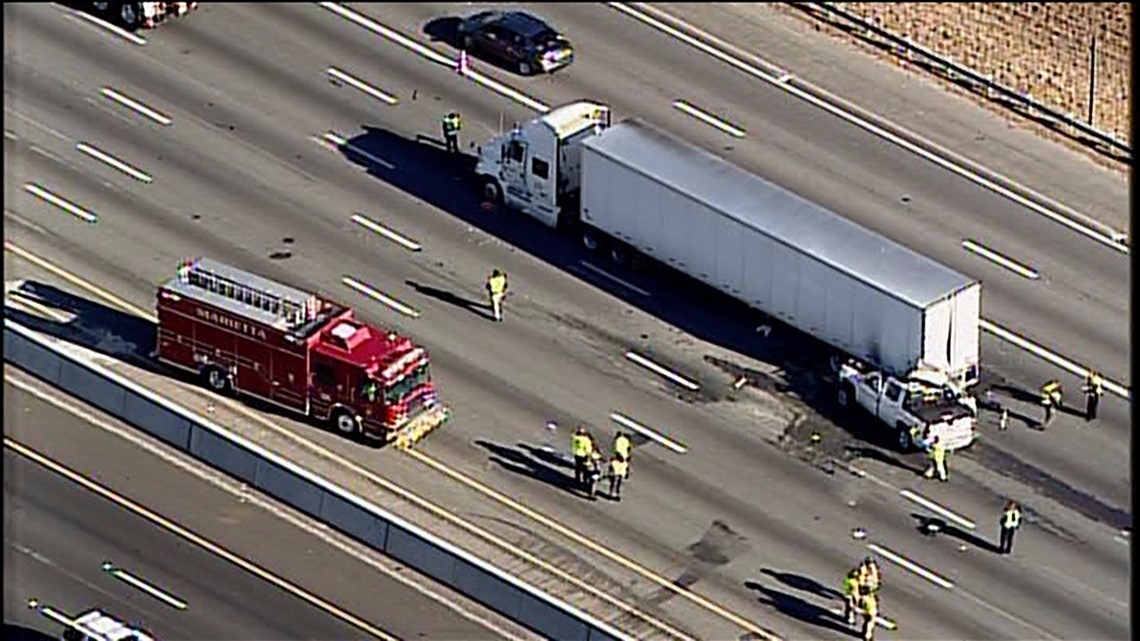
column 926, row 401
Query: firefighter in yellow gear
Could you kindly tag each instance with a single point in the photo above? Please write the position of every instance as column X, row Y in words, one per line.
column 451, row 127
column 869, row 604
column 1094, row 389
column 619, row 470
column 937, row 456
column 850, row 595
column 497, row 289
column 582, row 446
column 1051, row 393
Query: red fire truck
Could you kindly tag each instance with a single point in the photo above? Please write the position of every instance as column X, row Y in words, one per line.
column 246, row 334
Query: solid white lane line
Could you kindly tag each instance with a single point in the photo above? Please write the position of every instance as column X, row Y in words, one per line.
column 1011, row 265
column 136, row 582
column 338, row 142
column 931, row 505
column 673, row 376
column 353, row 81
column 107, row 158
column 62, row 203
column 621, row 419
column 910, row 565
column 837, row 106
column 377, row 295
column 136, row 106
column 51, row 613
column 367, row 223
column 118, row 31
column 604, row 274
column 1056, row 359
column 708, row 118
column 432, row 55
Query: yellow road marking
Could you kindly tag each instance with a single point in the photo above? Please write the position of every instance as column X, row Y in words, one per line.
column 354, row 467
column 441, row 512
column 201, row 542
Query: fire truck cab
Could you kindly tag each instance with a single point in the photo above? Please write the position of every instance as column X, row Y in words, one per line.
column 246, row 334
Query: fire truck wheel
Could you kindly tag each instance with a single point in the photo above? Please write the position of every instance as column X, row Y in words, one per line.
column 345, row 422
column 217, row 379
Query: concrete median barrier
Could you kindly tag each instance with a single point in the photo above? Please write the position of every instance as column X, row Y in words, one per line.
column 43, row 357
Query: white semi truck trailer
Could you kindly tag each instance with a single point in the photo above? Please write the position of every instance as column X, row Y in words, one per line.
column 907, row 326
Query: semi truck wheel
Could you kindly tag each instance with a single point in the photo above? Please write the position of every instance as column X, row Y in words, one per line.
column 130, row 15
column 217, row 379
column 345, row 422
column 492, row 191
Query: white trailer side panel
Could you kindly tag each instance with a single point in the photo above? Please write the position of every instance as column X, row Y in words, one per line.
column 965, row 348
column 812, row 269
column 936, row 334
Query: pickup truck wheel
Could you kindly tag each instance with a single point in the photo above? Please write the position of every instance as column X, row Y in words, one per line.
column 524, row 68
column 345, row 422
column 492, row 191
column 844, row 396
column 217, row 379
column 905, row 442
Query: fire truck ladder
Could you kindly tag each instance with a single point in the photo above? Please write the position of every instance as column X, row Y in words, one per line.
column 228, row 286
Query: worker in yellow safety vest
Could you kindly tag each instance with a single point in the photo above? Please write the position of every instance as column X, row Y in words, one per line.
column 582, row 446
column 451, row 127
column 1094, row 389
column 850, row 595
column 496, row 290
column 937, row 456
column 870, row 606
column 1051, row 393
column 623, row 447
column 619, row 470
column 869, row 577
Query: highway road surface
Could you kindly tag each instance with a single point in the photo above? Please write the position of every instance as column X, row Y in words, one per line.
column 239, row 153
column 281, row 582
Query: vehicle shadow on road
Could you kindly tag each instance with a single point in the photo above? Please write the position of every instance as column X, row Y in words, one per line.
column 547, row 456
column 802, row 583
column 934, row 526
column 800, row 609
column 519, row 462
column 477, row 308
column 13, row 632
column 802, row 371
column 81, row 321
column 444, row 29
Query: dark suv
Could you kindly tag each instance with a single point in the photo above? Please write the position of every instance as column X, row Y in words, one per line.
column 517, row 39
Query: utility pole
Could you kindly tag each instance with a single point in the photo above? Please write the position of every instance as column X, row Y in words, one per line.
column 1092, row 77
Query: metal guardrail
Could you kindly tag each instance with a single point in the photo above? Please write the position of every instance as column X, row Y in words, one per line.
column 964, row 75
column 292, row 484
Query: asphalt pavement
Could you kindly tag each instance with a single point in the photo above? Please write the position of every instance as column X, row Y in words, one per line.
column 242, row 175
column 58, row 534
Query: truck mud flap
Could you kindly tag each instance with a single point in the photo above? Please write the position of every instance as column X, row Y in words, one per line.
column 408, row 435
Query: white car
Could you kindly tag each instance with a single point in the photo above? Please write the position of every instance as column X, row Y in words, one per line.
column 96, row 625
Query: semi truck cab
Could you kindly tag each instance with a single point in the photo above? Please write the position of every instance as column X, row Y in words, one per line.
column 536, row 168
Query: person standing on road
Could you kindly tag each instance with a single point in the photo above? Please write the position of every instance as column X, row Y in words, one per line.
column 1010, row 522
column 1094, row 389
column 1050, row 399
column 496, row 290
column 619, row 470
column 870, row 607
column 623, row 447
column 451, row 126
column 582, row 446
column 851, row 595
column 937, row 456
